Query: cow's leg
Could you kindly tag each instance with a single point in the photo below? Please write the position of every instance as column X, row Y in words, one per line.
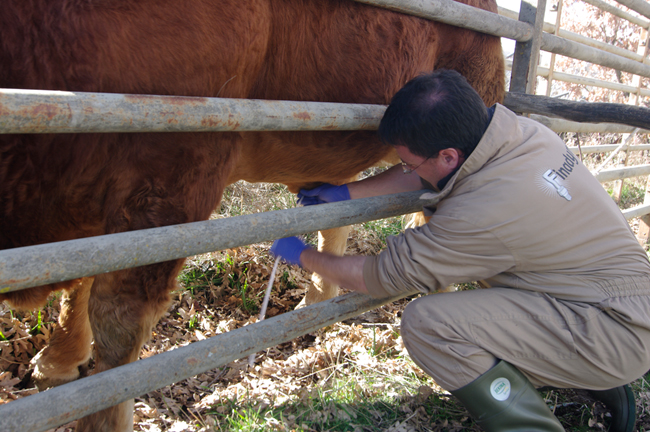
column 414, row 220
column 125, row 305
column 69, row 347
column 333, row 241
column 123, row 308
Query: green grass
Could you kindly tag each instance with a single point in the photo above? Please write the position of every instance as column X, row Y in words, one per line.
column 631, row 195
column 348, row 398
column 198, row 276
column 36, row 329
column 240, row 284
column 385, row 227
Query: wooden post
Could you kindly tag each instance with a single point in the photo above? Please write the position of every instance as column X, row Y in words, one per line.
column 589, row 112
column 526, row 57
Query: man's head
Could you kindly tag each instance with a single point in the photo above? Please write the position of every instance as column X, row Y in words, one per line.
column 433, row 112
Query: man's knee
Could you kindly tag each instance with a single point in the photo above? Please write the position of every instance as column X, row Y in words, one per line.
column 427, row 317
column 428, row 340
column 410, row 322
column 441, row 345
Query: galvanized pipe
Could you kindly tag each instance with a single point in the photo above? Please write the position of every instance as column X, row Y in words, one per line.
column 576, row 79
column 55, row 262
column 621, row 173
column 606, row 148
column 600, row 4
column 40, row 111
column 579, row 51
column 550, row 28
column 638, row 211
column 459, row 15
column 77, row 399
column 640, row 6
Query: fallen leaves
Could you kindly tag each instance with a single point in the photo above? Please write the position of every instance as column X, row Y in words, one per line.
column 292, row 374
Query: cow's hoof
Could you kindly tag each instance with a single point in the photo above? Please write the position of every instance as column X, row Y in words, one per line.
column 46, row 374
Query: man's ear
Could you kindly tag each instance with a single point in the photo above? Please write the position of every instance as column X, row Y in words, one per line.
column 451, row 157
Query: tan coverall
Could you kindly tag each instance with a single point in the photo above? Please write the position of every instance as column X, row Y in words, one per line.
column 569, row 286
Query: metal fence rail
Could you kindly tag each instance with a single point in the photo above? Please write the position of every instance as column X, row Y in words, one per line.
column 605, row 148
column 621, row 173
column 561, row 125
column 36, row 111
column 62, row 404
column 639, row 6
column 551, row 28
column 638, row 211
column 464, row 16
column 55, row 262
column 459, row 15
column 33, row 111
column 576, row 79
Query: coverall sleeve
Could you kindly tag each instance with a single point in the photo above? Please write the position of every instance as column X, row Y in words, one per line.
column 429, row 258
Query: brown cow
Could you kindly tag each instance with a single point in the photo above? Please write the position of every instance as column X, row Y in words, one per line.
column 60, row 187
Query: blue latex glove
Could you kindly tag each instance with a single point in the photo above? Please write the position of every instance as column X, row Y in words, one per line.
column 289, row 249
column 326, row 193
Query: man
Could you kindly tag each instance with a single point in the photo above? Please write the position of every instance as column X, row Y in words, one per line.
column 568, row 303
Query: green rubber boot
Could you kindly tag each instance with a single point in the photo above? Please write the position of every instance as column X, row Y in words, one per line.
column 503, row 400
column 621, row 404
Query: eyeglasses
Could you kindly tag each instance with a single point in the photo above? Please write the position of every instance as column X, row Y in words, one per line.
column 408, row 168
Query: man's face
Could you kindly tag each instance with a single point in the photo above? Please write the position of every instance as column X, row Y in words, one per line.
column 430, row 169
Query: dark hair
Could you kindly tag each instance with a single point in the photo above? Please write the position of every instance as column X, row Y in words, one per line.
column 433, row 112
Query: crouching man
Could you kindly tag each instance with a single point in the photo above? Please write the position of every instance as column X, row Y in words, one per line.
column 568, row 304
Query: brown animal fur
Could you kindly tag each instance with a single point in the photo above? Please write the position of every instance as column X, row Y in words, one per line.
column 59, row 187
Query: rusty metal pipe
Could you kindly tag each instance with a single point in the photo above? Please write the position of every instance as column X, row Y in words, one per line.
column 44, row 111
column 55, row 262
column 60, row 405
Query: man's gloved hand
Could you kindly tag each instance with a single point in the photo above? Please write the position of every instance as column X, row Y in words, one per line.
column 289, row 249
column 326, row 193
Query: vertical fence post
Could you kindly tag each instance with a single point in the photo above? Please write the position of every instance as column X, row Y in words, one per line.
column 526, row 56
column 551, row 65
column 618, row 188
column 644, row 39
column 643, row 232
column 634, row 99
